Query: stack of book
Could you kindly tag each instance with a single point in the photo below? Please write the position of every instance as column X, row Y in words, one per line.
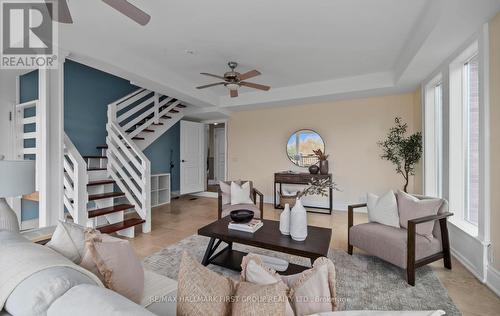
column 250, row 227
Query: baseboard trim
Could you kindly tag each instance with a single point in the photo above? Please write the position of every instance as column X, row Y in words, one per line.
column 207, row 194
column 493, row 280
column 29, row 224
column 466, row 263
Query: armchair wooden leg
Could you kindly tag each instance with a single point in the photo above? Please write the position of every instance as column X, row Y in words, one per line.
column 410, row 275
column 349, row 249
column 446, row 244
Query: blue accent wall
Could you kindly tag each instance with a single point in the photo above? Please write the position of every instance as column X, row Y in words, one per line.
column 87, row 92
column 28, row 91
column 165, row 149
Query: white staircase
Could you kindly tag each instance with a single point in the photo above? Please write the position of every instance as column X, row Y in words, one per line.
column 103, row 191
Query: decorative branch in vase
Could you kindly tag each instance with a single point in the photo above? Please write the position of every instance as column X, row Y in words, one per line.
column 318, row 187
column 323, row 161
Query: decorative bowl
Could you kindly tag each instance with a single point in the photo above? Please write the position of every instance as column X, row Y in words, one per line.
column 241, row 216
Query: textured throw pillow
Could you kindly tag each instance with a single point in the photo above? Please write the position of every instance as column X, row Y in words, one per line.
column 240, row 194
column 113, row 260
column 201, row 291
column 411, row 207
column 383, row 210
column 69, row 240
column 312, row 291
column 259, row 299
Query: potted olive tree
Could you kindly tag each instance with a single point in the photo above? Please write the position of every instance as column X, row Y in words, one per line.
column 403, row 151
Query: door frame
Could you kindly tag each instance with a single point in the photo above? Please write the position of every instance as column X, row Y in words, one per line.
column 217, row 156
column 220, row 121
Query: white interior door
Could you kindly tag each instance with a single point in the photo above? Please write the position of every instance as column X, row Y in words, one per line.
column 220, row 154
column 192, row 157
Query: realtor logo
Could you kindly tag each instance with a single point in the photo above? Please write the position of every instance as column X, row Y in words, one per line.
column 28, row 35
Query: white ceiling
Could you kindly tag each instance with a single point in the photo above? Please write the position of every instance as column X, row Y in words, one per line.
column 308, row 51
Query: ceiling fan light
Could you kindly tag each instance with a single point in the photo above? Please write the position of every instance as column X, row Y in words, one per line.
column 232, row 86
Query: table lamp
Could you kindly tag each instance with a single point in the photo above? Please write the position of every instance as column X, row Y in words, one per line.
column 17, row 177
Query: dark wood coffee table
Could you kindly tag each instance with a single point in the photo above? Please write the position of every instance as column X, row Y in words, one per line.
column 268, row 237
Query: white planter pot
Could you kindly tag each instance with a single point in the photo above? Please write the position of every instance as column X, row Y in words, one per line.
column 285, row 220
column 298, row 222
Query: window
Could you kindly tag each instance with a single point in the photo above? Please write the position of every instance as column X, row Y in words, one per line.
column 471, row 102
column 433, row 144
column 464, row 138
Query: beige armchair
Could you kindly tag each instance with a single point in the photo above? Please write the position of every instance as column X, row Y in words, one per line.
column 225, row 207
column 399, row 246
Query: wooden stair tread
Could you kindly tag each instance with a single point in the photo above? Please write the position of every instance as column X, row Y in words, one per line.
column 181, row 106
column 94, row 157
column 100, row 182
column 109, row 210
column 138, row 138
column 111, row 228
column 160, row 123
column 108, row 195
column 144, row 130
column 166, row 117
column 106, row 147
column 95, row 169
column 173, row 111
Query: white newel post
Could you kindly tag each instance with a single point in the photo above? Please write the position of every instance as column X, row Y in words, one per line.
column 50, row 145
column 146, row 227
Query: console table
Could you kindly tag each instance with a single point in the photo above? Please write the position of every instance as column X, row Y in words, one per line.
column 302, row 178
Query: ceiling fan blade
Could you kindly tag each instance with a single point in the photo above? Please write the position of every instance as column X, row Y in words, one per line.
column 255, row 86
column 249, row 74
column 63, row 14
column 212, row 75
column 233, row 93
column 129, row 10
column 210, row 85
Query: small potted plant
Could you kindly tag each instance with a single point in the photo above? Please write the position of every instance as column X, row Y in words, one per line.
column 323, row 161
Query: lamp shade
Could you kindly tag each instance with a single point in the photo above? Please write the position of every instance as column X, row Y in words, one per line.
column 17, row 177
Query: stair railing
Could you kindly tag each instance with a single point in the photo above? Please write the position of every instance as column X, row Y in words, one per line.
column 127, row 165
column 75, row 183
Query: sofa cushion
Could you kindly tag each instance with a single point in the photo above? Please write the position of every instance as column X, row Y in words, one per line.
column 84, row 300
column 259, row 299
column 226, row 209
column 390, row 243
column 35, row 294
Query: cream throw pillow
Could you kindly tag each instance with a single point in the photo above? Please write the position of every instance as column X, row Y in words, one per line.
column 69, row 240
column 383, row 210
column 201, row 291
column 312, row 291
column 226, row 192
column 113, row 260
column 240, row 194
column 259, row 299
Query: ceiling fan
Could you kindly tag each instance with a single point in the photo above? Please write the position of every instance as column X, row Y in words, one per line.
column 123, row 6
column 233, row 80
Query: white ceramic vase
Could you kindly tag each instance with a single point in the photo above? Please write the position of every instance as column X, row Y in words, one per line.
column 298, row 222
column 285, row 220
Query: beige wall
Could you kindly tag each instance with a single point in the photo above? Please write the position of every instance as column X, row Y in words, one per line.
column 350, row 129
column 495, row 132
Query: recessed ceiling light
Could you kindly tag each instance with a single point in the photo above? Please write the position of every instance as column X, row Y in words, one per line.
column 190, row 51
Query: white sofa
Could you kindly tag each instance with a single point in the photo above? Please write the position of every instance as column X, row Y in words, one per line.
column 65, row 290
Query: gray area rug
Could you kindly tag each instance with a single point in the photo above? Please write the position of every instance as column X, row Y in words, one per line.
column 363, row 282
